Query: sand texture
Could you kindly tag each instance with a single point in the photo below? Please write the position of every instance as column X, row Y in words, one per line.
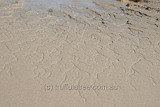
column 45, row 48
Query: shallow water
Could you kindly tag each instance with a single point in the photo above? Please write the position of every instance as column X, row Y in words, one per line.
column 59, row 4
column 43, row 4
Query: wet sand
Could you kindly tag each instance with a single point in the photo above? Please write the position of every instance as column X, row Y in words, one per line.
column 91, row 44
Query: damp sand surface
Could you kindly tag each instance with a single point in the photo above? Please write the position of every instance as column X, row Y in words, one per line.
column 79, row 53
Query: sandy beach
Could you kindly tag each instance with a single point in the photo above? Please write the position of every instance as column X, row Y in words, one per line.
column 79, row 53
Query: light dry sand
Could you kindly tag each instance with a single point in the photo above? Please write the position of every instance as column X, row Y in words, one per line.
column 107, row 45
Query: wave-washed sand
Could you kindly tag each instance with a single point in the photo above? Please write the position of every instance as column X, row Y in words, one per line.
column 79, row 53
